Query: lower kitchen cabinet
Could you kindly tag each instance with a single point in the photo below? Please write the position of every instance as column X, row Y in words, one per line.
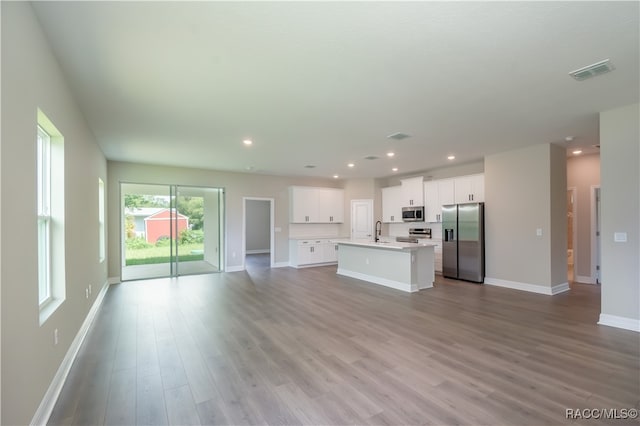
column 311, row 252
column 437, row 250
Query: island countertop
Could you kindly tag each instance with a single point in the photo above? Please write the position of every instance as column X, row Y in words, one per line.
column 384, row 243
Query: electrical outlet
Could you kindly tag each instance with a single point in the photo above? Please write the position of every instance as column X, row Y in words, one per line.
column 55, row 337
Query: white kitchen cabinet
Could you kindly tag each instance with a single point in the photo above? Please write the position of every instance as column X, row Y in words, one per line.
column 446, row 192
column 432, row 206
column 310, row 252
column 412, row 192
column 330, row 252
column 437, row 193
column 469, row 189
column 330, row 205
column 437, row 250
column 392, row 204
column 316, row 205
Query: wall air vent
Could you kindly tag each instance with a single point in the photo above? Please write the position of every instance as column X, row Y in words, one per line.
column 592, row 70
column 398, row 136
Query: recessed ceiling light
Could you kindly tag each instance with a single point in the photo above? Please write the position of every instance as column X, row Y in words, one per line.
column 577, row 152
column 336, row 176
column 395, row 169
column 247, row 142
column 451, row 157
column 351, row 165
column 249, row 168
column 390, row 154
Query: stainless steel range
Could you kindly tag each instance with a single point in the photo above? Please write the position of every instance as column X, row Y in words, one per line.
column 415, row 235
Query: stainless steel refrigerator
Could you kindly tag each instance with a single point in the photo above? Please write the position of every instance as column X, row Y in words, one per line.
column 463, row 241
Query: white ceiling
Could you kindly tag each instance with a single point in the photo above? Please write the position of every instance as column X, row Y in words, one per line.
column 324, row 83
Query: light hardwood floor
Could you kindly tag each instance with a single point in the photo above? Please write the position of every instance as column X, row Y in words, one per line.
column 287, row 346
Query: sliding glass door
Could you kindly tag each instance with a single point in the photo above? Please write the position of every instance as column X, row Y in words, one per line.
column 170, row 230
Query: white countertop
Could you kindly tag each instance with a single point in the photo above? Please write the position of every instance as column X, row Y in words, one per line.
column 384, row 243
column 316, row 238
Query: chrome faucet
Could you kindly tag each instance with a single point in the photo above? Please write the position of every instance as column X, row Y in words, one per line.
column 378, row 231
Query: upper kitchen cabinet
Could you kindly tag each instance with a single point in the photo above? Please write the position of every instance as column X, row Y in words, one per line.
column 469, row 189
column 437, row 193
column 412, row 192
column 392, row 204
column 331, row 205
column 316, row 205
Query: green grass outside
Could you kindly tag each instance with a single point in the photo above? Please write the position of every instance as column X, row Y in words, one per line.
column 151, row 255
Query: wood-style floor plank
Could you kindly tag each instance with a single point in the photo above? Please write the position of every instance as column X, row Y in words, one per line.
column 289, row 346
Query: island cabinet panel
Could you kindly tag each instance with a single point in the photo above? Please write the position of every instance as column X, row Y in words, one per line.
column 316, row 205
column 392, row 204
column 403, row 266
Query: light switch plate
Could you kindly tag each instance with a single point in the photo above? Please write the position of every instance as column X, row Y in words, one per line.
column 539, row 232
column 620, row 237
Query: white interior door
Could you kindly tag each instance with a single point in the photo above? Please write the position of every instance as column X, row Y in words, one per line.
column 361, row 219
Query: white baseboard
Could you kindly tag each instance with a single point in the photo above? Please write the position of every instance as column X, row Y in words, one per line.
column 281, row 265
column 42, row 414
column 259, row 251
column 113, row 280
column 585, row 280
column 381, row 281
column 312, row 265
column 620, row 322
column 238, row 268
column 532, row 288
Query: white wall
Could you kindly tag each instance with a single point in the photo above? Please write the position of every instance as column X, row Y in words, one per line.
column 31, row 79
column 583, row 173
column 236, row 185
column 620, row 204
column 525, row 190
column 258, row 226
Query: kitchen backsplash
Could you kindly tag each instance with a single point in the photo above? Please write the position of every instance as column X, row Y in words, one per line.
column 402, row 229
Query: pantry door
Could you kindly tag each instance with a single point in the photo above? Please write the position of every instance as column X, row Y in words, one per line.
column 362, row 219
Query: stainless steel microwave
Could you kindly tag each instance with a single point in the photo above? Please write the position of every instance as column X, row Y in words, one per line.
column 413, row 214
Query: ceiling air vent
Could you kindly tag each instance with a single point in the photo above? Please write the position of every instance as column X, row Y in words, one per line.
column 309, row 166
column 398, row 136
column 371, row 157
column 592, row 70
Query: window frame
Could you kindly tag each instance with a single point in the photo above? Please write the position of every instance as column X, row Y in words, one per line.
column 44, row 216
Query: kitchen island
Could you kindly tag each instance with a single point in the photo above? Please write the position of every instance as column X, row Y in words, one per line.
column 404, row 266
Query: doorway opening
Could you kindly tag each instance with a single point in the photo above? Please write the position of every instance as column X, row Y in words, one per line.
column 170, row 230
column 571, row 234
column 258, row 239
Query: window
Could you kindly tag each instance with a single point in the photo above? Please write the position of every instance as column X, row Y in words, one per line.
column 101, row 227
column 51, row 217
column 44, row 216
